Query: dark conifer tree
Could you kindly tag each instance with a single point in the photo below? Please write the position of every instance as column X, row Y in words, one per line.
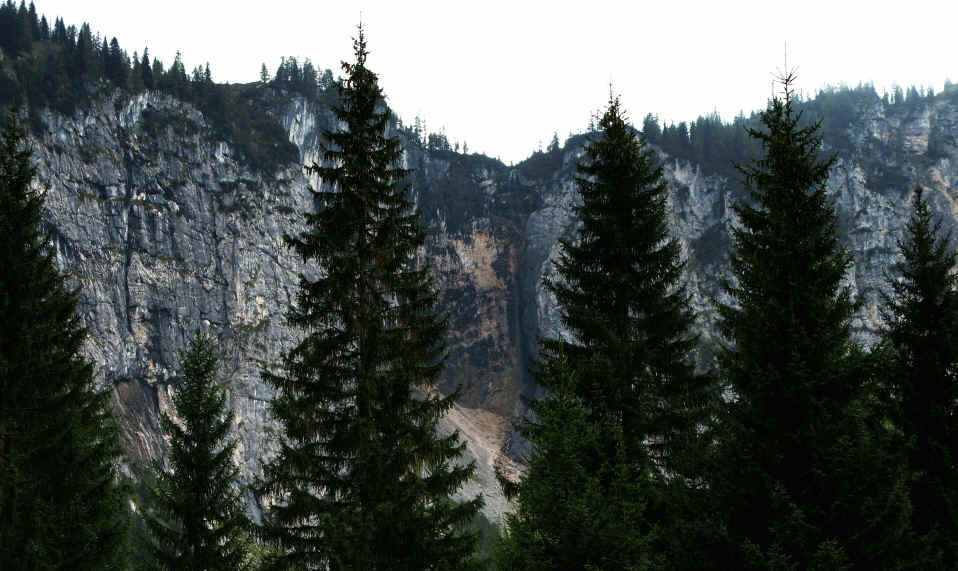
column 630, row 356
column 197, row 520
column 117, row 65
column 623, row 301
column 157, row 71
column 60, row 504
column 802, row 477
column 33, row 22
column 553, row 144
column 25, row 29
column 9, row 28
column 683, row 141
column 650, row 128
column 59, row 32
column 84, row 58
column 103, row 59
column 175, row 79
column 146, row 70
column 363, row 479
column 582, row 504
column 921, row 318
column 135, row 77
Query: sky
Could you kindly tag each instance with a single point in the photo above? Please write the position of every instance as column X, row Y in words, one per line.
column 504, row 76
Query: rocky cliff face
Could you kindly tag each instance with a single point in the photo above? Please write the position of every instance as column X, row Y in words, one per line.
column 165, row 230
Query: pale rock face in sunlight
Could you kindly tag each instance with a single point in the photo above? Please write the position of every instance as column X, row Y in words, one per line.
column 166, row 233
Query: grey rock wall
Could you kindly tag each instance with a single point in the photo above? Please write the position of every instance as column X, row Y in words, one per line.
column 166, row 231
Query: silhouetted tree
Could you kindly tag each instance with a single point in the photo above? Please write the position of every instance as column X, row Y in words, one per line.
column 363, row 479
column 921, row 330
column 630, row 357
column 803, row 477
column 117, row 65
column 651, row 129
column 197, row 521
column 553, row 144
column 146, row 70
column 60, row 504
column 580, row 505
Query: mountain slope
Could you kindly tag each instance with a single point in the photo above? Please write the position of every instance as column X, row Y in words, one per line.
column 166, row 227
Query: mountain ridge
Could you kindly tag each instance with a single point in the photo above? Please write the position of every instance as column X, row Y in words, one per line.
column 166, row 228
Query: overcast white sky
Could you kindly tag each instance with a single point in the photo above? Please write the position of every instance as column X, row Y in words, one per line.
column 503, row 76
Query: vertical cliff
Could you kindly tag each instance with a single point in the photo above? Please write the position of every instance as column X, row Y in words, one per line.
column 166, row 228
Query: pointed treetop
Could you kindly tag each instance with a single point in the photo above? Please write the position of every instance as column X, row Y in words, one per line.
column 359, row 45
column 358, row 72
column 786, row 77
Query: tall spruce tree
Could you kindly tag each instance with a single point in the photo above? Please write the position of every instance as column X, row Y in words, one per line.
column 363, row 479
column 61, row 506
column 921, row 317
column 197, row 520
column 801, row 473
column 630, row 358
column 624, row 304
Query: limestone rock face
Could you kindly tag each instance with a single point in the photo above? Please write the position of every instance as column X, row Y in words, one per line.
column 166, row 230
column 165, row 233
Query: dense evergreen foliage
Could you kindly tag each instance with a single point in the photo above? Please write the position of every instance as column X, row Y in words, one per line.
column 363, row 479
column 819, row 455
column 717, row 146
column 65, row 68
column 543, row 164
column 802, row 475
column 921, row 318
column 304, row 79
column 61, row 506
column 583, row 503
column 197, row 519
column 623, row 301
column 634, row 397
